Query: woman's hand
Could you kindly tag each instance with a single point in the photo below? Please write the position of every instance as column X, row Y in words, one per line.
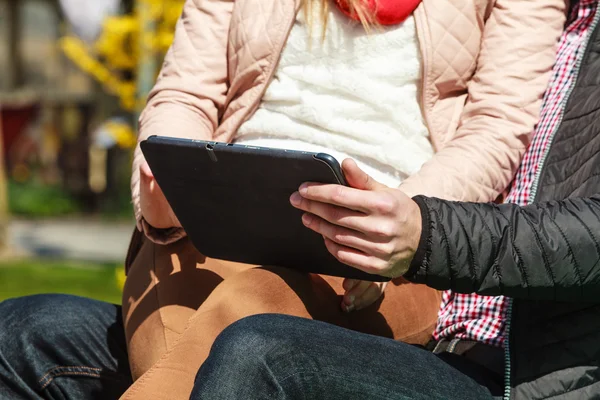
column 155, row 208
column 368, row 226
column 361, row 294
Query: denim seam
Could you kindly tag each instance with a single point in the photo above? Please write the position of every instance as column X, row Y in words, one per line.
column 55, row 372
column 52, row 370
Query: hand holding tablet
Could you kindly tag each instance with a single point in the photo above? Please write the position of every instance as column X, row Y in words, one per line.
column 234, row 202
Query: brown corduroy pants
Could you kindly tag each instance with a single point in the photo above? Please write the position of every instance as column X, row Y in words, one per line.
column 176, row 302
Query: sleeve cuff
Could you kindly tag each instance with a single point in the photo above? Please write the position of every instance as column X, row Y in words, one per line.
column 161, row 236
column 417, row 270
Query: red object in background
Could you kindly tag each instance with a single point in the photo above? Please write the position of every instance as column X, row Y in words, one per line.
column 14, row 120
column 387, row 12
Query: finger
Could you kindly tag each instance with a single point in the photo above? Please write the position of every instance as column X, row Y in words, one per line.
column 348, row 300
column 348, row 283
column 376, row 246
column 371, row 294
column 336, row 215
column 356, row 292
column 355, row 258
column 357, row 178
column 347, row 237
column 364, row 201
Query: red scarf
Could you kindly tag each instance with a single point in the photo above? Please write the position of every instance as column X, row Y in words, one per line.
column 386, row 12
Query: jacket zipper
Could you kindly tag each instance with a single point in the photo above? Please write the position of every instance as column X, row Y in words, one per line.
column 507, row 366
column 534, row 189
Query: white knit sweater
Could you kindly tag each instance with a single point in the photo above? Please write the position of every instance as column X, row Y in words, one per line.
column 353, row 95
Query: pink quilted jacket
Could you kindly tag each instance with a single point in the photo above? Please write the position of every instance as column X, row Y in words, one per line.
column 486, row 64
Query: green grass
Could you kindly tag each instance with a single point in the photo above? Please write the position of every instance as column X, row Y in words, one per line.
column 25, row 277
column 37, row 200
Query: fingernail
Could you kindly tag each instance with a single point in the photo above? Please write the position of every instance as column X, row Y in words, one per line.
column 307, row 219
column 350, row 299
column 303, row 189
column 296, row 199
column 347, row 308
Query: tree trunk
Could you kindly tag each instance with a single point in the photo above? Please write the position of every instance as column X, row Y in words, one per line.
column 3, row 196
column 15, row 64
column 147, row 62
column 15, row 80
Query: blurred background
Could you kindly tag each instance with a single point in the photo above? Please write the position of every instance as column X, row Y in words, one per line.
column 74, row 74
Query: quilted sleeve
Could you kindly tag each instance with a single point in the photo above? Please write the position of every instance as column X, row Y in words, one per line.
column 517, row 53
column 545, row 251
column 189, row 95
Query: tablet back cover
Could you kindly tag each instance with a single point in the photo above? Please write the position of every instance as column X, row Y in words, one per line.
column 233, row 202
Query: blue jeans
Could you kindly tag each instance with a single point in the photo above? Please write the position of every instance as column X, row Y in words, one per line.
column 282, row 357
column 62, row 347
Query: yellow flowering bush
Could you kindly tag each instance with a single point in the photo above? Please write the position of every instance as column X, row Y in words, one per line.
column 116, row 52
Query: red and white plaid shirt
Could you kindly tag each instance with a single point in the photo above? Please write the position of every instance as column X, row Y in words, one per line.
column 483, row 318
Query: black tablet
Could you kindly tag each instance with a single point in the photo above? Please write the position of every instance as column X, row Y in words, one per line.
column 233, row 201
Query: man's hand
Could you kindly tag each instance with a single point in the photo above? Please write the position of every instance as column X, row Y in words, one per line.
column 155, row 209
column 368, row 226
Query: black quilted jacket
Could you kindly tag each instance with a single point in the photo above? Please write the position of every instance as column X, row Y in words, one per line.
column 545, row 256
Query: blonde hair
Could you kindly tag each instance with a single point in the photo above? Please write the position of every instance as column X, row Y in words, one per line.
column 356, row 7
